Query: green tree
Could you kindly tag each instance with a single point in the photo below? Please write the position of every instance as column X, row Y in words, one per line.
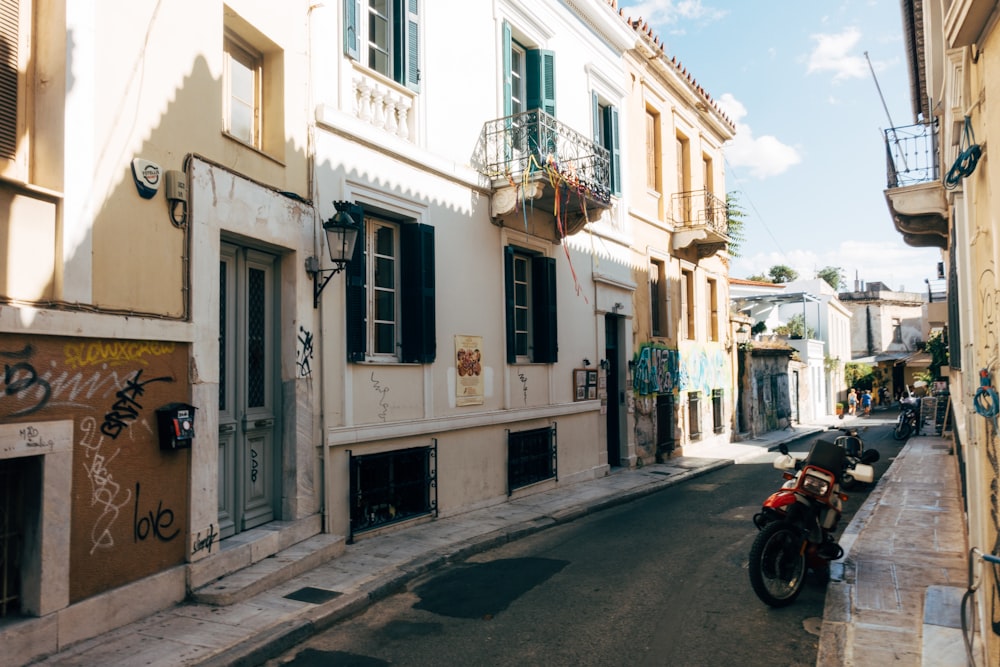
column 858, row 375
column 760, row 277
column 736, row 218
column 834, row 275
column 795, row 327
column 937, row 347
column 781, row 273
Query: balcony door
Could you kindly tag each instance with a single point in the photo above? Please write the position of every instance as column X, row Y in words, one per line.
column 248, row 435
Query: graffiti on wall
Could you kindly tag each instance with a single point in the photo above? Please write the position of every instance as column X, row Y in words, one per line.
column 656, row 370
column 304, row 352
column 128, row 499
column 693, row 367
column 988, row 335
column 704, row 367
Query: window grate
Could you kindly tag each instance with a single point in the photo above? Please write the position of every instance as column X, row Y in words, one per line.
column 664, row 425
column 390, row 487
column 12, row 475
column 717, row 411
column 531, row 457
column 694, row 414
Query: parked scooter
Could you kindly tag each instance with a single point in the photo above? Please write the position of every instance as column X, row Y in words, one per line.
column 797, row 522
column 854, row 447
column 908, row 421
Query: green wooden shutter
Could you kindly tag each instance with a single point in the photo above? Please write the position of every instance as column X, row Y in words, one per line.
column 540, row 75
column 357, row 298
column 611, row 131
column 508, row 85
column 419, row 342
column 544, row 315
column 406, row 43
column 10, row 30
column 508, row 288
column 352, row 17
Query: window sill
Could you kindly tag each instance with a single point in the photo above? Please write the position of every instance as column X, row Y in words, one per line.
column 255, row 149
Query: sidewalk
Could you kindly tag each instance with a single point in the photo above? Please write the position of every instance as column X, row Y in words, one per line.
column 884, row 561
column 895, row 597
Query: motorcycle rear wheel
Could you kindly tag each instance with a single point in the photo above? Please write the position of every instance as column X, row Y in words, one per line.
column 903, row 427
column 778, row 564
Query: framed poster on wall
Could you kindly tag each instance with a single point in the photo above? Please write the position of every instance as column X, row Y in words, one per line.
column 584, row 384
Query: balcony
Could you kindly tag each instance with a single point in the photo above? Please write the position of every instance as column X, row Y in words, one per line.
column 537, row 164
column 914, row 190
column 700, row 219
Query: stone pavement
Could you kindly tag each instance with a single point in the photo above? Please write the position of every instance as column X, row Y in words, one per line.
column 907, row 537
column 896, row 596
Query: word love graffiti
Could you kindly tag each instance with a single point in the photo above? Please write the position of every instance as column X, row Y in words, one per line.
column 127, row 407
column 152, row 524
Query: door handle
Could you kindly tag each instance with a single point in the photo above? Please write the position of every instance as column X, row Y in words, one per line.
column 227, row 428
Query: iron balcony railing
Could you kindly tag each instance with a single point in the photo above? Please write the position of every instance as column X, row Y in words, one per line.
column 912, row 155
column 518, row 146
column 697, row 208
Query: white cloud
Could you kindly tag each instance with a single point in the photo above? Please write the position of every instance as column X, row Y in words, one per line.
column 666, row 12
column 833, row 54
column 764, row 156
column 891, row 262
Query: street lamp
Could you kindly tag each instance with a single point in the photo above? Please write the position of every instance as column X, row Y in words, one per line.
column 341, row 235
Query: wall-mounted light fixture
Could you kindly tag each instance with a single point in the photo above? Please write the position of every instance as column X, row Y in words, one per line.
column 586, row 362
column 341, row 235
column 605, row 364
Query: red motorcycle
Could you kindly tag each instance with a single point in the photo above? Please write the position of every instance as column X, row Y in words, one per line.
column 797, row 523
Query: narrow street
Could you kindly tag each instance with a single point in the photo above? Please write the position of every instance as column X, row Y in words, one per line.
column 660, row 581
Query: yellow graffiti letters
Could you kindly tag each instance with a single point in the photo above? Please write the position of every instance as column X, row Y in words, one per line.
column 113, row 353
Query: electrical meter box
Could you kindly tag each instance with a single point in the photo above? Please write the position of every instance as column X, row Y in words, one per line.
column 176, row 425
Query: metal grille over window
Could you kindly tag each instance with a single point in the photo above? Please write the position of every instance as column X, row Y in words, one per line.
column 390, row 487
column 531, row 457
column 12, row 490
column 694, row 413
column 717, row 411
column 256, row 352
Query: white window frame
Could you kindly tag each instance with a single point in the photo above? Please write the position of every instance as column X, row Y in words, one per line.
column 526, row 306
column 518, row 90
column 239, row 54
column 372, row 227
column 372, row 48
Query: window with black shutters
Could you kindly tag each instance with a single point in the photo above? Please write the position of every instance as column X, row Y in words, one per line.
column 390, row 291
column 530, row 289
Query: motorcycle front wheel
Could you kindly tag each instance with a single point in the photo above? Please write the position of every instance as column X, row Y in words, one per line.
column 903, row 427
column 778, row 564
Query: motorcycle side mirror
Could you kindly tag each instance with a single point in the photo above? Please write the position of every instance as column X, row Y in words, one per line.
column 783, row 448
column 869, row 456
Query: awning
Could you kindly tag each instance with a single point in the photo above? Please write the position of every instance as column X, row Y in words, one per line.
column 918, row 360
column 875, row 359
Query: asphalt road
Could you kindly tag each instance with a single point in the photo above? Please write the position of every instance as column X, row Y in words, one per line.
column 660, row 581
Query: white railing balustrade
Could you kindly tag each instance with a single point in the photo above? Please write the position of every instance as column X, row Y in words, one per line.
column 382, row 106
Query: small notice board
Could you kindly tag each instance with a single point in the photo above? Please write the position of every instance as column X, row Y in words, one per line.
column 584, row 384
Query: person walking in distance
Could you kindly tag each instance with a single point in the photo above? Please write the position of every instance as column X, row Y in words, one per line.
column 866, row 402
column 852, row 402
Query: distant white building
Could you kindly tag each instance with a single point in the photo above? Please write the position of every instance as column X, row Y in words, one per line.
column 825, row 345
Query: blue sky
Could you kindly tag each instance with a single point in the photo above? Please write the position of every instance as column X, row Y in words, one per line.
column 808, row 163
